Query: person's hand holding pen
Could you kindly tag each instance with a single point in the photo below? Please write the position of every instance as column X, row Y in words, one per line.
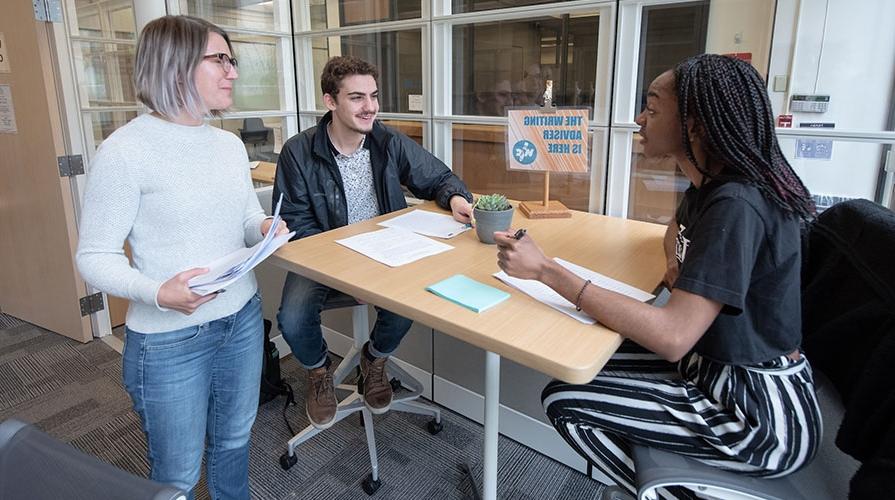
column 519, row 256
column 461, row 209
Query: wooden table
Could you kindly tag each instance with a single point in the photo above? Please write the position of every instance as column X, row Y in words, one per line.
column 521, row 329
column 264, row 172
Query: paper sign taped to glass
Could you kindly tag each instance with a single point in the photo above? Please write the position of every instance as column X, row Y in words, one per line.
column 551, row 139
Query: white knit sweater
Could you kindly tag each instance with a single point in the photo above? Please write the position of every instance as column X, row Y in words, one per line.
column 182, row 196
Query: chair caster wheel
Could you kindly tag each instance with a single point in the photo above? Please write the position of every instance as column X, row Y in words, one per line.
column 395, row 383
column 287, row 461
column 434, row 427
column 370, row 485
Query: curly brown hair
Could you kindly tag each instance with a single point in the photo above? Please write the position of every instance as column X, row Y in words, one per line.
column 340, row 67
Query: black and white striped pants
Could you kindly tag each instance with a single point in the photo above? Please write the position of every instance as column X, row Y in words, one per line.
column 757, row 419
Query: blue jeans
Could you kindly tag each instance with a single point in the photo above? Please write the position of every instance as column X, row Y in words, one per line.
column 299, row 321
column 196, row 384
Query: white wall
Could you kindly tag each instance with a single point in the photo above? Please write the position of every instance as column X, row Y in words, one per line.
column 741, row 26
column 844, row 49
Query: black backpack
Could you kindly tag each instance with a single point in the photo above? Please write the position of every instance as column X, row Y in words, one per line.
column 272, row 384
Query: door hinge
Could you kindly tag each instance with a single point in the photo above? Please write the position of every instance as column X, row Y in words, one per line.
column 70, row 165
column 48, row 10
column 91, row 304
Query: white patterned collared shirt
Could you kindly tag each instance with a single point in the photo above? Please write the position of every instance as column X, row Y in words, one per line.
column 357, row 177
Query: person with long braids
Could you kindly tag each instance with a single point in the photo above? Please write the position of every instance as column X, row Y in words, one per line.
column 715, row 374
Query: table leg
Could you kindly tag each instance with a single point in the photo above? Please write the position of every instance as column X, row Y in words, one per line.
column 492, row 409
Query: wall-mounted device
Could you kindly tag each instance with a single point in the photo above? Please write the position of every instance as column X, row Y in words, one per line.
column 809, row 103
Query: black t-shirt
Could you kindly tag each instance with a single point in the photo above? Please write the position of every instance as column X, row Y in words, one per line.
column 736, row 247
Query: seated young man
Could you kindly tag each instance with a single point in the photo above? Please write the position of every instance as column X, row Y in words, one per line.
column 350, row 168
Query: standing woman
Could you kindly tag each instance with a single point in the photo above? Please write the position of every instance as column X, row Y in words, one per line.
column 715, row 374
column 179, row 191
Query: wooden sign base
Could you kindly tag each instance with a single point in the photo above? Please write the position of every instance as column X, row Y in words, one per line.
column 537, row 210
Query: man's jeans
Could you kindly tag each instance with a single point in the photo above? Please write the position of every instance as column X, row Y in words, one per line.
column 194, row 384
column 299, row 321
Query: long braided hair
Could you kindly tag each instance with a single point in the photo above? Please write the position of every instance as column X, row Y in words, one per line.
column 727, row 99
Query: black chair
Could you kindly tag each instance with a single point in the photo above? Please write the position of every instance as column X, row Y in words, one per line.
column 848, row 319
column 258, row 135
column 35, row 466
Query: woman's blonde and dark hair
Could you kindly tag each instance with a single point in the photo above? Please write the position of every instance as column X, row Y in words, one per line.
column 169, row 50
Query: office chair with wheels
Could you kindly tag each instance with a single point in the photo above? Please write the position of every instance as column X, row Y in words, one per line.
column 353, row 402
column 848, row 321
column 35, row 466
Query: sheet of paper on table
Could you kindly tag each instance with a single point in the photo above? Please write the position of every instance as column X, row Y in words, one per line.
column 394, row 246
column 545, row 294
column 428, row 223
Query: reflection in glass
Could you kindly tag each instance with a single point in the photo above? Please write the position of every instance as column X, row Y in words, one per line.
column 107, row 73
column 397, row 54
column 252, row 14
column 503, row 64
column 480, row 160
column 260, row 73
column 671, row 33
column 103, row 123
column 111, row 19
column 459, row 6
column 329, row 14
column 657, row 186
column 411, row 129
column 263, row 137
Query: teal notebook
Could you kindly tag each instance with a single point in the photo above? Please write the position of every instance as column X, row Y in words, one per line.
column 468, row 293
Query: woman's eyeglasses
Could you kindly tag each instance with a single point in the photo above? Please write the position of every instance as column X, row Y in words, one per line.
column 224, row 60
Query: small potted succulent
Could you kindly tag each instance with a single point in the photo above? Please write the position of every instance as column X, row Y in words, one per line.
column 492, row 212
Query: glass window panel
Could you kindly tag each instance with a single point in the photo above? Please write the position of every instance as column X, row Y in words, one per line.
column 480, row 160
column 260, row 73
column 507, row 63
column 106, row 73
column 270, row 15
column 397, row 54
column 330, row 14
column 414, row 130
column 832, row 170
column 657, row 186
column 459, row 6
column 670, row 34
column 103, row 123
column 112, row 19
column 263, row 137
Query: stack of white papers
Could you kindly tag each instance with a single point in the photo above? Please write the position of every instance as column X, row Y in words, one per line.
column 428, row 223
column 231, row 267
column 394, row 246
column 545, row 294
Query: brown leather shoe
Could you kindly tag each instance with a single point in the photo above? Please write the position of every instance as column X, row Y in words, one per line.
column 377, row 389
column 321, row 403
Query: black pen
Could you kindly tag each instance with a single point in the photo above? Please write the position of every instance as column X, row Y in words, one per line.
column 519, row 234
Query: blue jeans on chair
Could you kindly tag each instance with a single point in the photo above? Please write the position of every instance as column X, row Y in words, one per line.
column 299, row 321
column 196, row 384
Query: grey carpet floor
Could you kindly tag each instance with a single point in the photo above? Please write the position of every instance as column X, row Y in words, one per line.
column 74, row 392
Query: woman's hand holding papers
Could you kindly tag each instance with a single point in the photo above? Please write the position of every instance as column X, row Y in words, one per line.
column 461, row 209
column 520, row 258
column 281, row 227
column 176, row 294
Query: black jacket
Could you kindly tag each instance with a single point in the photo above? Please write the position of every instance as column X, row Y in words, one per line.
column 313, row 193
column 848, row 306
